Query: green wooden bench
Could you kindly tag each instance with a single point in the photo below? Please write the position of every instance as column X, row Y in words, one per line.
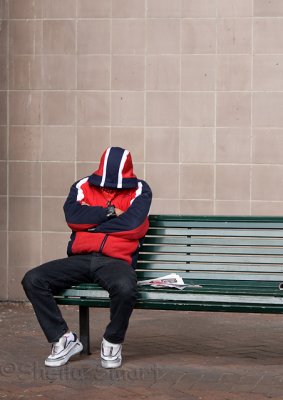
column 232, row 263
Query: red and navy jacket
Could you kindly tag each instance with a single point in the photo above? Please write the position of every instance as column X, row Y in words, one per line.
column 87, row 204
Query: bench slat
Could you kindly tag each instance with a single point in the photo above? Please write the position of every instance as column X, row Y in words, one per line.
column 259, row 268
column 217, row 221
column 265, row 242
column 213, row 249
column 211, row 258
column 185, row 296
column 215, row 275
column 276, row 233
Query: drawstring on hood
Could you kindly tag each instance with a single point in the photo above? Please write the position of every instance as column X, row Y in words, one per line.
column 115, row 170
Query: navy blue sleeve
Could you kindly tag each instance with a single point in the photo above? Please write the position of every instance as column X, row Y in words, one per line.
column 134, row 220
column 82, row 217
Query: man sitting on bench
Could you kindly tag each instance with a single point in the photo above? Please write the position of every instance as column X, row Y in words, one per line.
column 107, row 212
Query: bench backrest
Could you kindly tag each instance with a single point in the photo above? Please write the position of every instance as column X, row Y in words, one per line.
column 213, row 247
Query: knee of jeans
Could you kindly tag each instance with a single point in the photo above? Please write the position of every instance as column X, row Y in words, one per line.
column 126, row 289
column 31, row 280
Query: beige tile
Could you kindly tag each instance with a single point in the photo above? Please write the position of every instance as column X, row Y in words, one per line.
column 27, row 9
column 233, row 145
column 162, row 145
column 196, row 207
column 127, row 72
column 197, row 109
column 58, row 143
column 233, row 72
column 163, row 8
column 128, row 8
column 233, row 109
column 53, row 219
column 59, row 9
column 267, row 208
column 4, row 38
column 3, row 284
column 25, row 107
column 164, row 206
column 196, row 182
column 57, row 178
column 25, row 214
column 4, row 9
column 94, row 9
column 59, row 72
column 198, row 36
column 3, row 108
column 98, row 31
column 139, row 170
column 162, row 109
column 154, row 175
column 234, row 36
column 267, row 36
column 267, row 146
column 24, row 250
column 91, row 143
column 93, row 72
column 59, row 37
column 58, row 108
column 127, row 108
column 3, row 250
column 198, row 72
column 54, row 246
column 3, row 214
column 268, row 8
column 3, row 142
column 267, row 182
column 234, row 8
column 4, row 73
column 86, row 169
column 3, row 265
column 25, row 143
column 163, row 36
column 131, row 139
column 93, row 108
column 24, row 178
column 3, row 178
column 197, row 145
column 225, row 207
column 267, row 109
column 163, row 72
column 198, row 8
column 128, row 36
column 267, row 72
column 25, row 37
column 232, row 182
column 25, row 72
column 15, row 289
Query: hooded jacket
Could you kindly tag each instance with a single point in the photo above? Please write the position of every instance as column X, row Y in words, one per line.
column 86, row 209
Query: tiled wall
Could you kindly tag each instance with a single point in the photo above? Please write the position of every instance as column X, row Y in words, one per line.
column 194, row 88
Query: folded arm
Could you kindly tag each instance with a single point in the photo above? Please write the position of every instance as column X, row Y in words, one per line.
column 80, row 217
column 133, row 223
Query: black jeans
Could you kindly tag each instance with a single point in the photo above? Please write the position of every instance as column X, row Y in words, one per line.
column 114, row 275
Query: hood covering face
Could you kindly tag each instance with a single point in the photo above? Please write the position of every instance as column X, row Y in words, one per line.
column 115, row 170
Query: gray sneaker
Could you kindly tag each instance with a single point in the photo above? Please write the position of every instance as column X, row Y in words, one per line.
column 111, row 354
column 62, row 350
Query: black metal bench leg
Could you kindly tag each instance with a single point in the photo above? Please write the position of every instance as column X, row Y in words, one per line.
column 84, row 329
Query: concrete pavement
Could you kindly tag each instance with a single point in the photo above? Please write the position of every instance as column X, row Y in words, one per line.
column 167, row 355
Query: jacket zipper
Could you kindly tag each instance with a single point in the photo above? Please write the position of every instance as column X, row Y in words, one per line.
column 106, row 235
column 103, row 243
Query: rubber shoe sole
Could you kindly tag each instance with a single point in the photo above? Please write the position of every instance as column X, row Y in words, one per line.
column 111, row 363
column 58, row 362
